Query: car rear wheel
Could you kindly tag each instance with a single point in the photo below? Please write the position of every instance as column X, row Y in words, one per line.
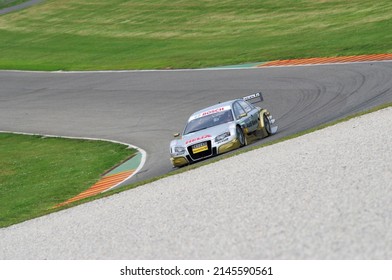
column 267, row 125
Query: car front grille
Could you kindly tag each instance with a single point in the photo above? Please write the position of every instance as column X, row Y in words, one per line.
column 206, row 152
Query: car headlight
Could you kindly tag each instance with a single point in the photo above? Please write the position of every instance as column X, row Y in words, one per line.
column 222, row 136
column 179, row 150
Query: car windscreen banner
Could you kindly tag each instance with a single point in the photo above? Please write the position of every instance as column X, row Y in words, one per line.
column 209, row 112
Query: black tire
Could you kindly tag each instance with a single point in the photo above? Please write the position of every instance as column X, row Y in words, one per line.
column 240, row 136
column 267, row 125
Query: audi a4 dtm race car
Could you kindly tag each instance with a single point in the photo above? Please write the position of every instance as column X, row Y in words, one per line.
column 221, row 128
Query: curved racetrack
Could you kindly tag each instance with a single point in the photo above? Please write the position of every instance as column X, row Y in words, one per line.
column 325, row 195
column 146, row 108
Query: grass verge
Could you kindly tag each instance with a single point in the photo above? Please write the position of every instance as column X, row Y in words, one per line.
column 37, row 172
column 135, row 34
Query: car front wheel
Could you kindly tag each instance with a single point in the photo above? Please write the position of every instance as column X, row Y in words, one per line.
column 240, row 136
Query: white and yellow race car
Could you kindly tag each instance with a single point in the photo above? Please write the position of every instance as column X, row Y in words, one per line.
column 221, row 128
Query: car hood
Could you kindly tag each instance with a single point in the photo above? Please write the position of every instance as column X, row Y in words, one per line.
column 203, row 135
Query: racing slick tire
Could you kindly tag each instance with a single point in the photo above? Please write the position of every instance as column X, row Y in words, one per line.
column 240, row 136
column 267, row 125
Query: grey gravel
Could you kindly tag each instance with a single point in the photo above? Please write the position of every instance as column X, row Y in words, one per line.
column 324, row 195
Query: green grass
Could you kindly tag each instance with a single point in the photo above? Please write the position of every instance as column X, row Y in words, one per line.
column 136, row 34
column 37, row 173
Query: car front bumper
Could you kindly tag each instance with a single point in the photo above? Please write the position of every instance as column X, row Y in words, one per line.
column 179, row 161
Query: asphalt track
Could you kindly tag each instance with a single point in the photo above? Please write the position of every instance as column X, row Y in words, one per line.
column 146, row 107
column 19, row 7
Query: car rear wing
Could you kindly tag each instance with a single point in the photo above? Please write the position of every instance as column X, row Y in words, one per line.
column 254, row 98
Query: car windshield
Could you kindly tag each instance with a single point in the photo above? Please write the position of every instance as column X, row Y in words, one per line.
column 208, row 121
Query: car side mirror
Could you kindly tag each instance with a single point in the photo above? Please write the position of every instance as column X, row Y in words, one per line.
column 176, row 134
column 242, row 115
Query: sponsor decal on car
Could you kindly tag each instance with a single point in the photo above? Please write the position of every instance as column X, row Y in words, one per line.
column 222, row 141
column 209, row 112
column 198, row 148
column 212, row 111
column 257, row 95
column 198, row 139
column 250, row 123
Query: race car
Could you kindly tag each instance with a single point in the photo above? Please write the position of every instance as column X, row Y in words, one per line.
column 221, row 128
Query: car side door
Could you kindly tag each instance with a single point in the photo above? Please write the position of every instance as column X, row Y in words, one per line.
column 245, row 119
column 252, row 113
column 239, row 112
